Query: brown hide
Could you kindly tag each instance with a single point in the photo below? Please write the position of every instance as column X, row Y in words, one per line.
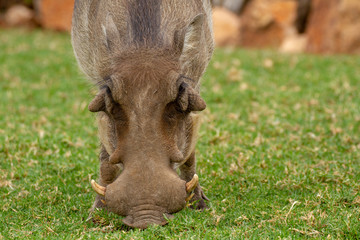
column 147, row 57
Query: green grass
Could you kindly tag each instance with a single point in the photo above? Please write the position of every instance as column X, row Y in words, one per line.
column 278, row 153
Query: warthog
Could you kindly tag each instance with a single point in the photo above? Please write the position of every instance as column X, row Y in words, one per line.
column 146, row 57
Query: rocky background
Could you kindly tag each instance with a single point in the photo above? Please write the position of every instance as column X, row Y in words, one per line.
column 315, row 26
column 294, row 26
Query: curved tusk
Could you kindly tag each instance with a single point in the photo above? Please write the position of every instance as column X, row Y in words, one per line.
column 190, row 186
column 97, row 188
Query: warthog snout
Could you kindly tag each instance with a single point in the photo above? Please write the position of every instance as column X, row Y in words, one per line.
column 144, row 215
column 148, row 204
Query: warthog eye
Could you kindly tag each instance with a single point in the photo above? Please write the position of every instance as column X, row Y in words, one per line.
column 117, row 112
column 104, row 101
column 114, row 108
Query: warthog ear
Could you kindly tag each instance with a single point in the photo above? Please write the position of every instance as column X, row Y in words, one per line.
column 188, row 99
column 98, row 103
column 112, row 34
column 187, row 39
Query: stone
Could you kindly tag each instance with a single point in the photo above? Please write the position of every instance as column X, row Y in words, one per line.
column 294, row 43
column 334, row 27
column 264, row 22
column 233, row 5
column 318, row 30
column 18, row 15
column 226, row 27
column 55, row 14
column 6, row 4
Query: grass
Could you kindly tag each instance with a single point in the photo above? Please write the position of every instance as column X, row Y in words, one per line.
column 278, row 153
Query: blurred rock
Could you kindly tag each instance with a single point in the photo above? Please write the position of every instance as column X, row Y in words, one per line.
column 18, row 15
column 294, row 42
column 226, row 27
column 5, row 4
column 263, row 22
column 334, row 27
column 233, row 5
column 348, row 29
column 55, row 14
column 319, row 29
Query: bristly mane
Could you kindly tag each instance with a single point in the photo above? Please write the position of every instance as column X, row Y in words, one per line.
column 145, row 21
column 145, row 64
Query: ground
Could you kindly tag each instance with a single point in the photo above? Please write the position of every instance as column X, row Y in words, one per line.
column 278, row 153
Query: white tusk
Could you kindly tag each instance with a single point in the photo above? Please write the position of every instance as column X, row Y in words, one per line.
column 97, row 188
column 190, row 186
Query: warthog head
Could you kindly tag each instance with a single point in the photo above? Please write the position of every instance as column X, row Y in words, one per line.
column 148, row 127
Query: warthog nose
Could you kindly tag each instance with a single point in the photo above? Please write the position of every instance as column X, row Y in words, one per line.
column 145, row 222
column 145, row 215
